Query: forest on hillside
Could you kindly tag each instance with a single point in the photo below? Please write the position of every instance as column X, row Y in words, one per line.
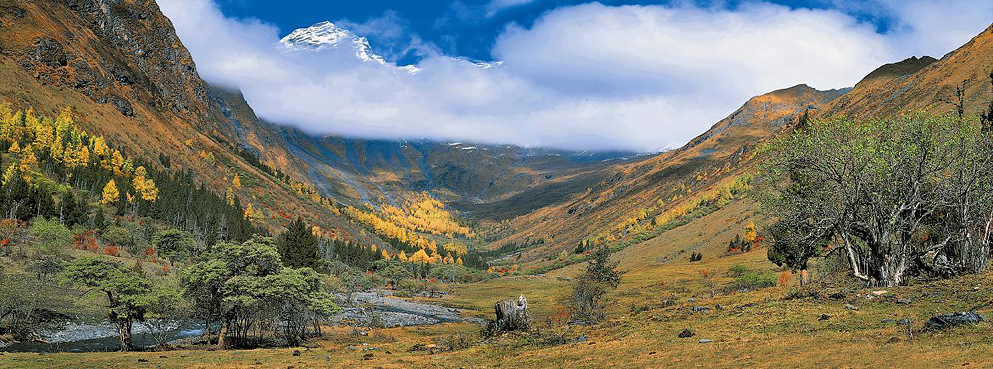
column 153, row 244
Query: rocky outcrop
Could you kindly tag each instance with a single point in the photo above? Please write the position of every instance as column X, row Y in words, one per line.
column 116, row 52
column 953, row 319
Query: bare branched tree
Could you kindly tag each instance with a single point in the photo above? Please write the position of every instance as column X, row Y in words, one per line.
column 900, row 196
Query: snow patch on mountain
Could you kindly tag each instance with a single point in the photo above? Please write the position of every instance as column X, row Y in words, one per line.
column 326, row 35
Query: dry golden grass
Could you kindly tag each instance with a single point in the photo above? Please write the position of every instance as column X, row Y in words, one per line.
column 763, row 328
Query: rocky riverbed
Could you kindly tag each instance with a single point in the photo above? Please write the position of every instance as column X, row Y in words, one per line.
column 73, row 331
column 389, row 311
column 377, row 308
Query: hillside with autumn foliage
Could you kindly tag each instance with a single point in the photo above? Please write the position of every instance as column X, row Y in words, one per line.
column 143, row 204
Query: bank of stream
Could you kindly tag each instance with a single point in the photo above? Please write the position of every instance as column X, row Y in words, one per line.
column 365, row 308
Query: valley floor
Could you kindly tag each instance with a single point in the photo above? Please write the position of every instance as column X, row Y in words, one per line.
column 829, row 324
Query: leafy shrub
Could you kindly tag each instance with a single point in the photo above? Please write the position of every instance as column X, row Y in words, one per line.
column 118, row 236
column 600, row 277
column 753, row 280
column 456, row 341
column 395, row 272
column 52, row 236
column 456, row 274
column 737, row 270
column 174, row 244
column 785, row 277
column 112, row 250
column 418, row 285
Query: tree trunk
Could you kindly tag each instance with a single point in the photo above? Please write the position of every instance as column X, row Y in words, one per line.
column 512, row 315
column 124, row 333
column 222, row 333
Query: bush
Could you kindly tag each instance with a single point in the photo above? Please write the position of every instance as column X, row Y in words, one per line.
column 752, row 280
column 457, row 341
column 600, row 277
column 737, row 270
column 696, row 256
column 52, row 236
column 118, row 236
column 395, row 272
column 418, row 285
column 112, row 250
column 174, row 244
column 456, row 274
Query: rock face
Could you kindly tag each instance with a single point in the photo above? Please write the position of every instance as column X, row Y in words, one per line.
column 953, row 319
column 512, row 315
column 128, row 52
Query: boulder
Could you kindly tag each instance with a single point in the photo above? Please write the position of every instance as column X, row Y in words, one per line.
column 512, row 315
column 953, row 319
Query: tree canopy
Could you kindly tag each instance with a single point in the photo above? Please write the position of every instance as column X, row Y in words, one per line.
column 899, row 196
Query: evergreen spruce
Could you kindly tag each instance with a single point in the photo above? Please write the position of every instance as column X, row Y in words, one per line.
column 298, row 246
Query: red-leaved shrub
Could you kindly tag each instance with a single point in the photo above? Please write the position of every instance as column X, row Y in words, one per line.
column 112, row 250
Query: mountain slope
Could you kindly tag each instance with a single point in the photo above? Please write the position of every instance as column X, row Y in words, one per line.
column 924, row 84
column 629, row 204
column 355, row 171
column 680, row 185
column 127, row 77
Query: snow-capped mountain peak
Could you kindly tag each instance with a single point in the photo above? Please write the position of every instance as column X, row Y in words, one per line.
column 319, row 36
column 326, row 35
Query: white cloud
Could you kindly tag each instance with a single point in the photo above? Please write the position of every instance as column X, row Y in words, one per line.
column 937, row 27
column 495, row 6
column 582, row 77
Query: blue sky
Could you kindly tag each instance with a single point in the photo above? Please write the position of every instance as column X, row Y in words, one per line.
column 639, row 76
column 465, row 28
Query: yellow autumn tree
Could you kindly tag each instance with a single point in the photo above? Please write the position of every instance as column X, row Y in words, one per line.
column 64, row 122
column 750, row 233
column 458, row 261
column 9, row 173
column 15, row 148
column 144, row 185
column 402, row 256
column 236, row 181
column 386, row 255
column 28, row 160
column 73, row 158
column 420, row 257
column 43, row 136
column 110, row 193
column 100, row 148
column 56, row 149
column 116, row 163
column 249, row 212
column 229, row 196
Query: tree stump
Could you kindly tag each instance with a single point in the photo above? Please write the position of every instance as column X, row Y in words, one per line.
column 511, row 315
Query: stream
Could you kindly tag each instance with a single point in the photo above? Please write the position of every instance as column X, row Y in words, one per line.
column 82, row 337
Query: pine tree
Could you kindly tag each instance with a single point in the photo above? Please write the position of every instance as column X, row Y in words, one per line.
column 99, row 220
column 298, row 246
